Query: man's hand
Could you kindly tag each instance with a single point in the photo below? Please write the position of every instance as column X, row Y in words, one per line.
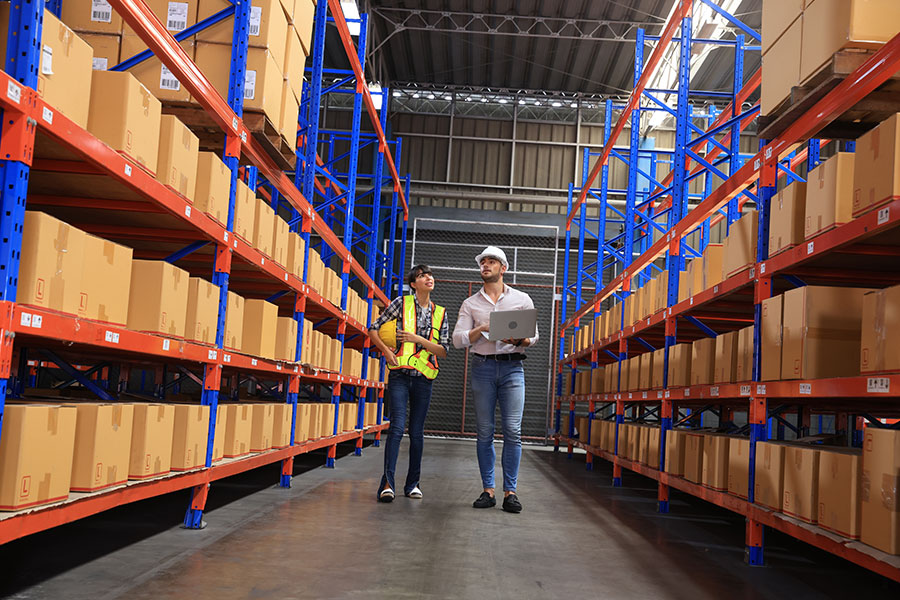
column 391, row 358
column 408, row 336
column 515, row 342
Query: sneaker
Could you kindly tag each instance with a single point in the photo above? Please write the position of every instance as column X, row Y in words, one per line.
column 415, row 493
column 485, row 500
column 511, row 504
column 386, row 495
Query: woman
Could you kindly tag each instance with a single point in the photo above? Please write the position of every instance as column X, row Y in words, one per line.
column 422, row 335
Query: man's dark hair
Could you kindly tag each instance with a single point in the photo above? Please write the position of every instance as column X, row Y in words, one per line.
column 416, row 271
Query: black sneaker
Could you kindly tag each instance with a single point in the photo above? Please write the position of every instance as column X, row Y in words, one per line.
column 511, row 504
column 485, row 500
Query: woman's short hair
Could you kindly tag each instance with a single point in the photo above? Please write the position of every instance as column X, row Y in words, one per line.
column 416, row 271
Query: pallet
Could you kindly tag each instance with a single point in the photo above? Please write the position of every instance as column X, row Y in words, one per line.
column 212, row 138
column 865, row 115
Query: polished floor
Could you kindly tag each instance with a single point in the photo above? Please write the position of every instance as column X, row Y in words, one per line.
column 326, row 537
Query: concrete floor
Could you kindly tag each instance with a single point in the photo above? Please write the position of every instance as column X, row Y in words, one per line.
column 327, row 538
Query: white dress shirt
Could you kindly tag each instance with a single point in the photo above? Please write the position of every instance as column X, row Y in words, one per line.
column 477, row 309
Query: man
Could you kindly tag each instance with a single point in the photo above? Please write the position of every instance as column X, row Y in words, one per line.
column 497, row 376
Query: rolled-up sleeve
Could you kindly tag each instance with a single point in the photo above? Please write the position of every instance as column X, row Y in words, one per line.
column 464, row 325
column 391, row 312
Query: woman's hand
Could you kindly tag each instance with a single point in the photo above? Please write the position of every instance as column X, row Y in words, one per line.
column 408, row 336
column 390, row 357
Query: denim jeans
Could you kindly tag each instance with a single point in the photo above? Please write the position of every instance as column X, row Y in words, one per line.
column 499, row 382
column 403, row 389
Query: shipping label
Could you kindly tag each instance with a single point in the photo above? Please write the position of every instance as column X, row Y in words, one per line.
column 176, row 20
column 101, row 11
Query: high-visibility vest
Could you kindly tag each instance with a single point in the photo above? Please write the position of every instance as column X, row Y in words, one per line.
column 422, row 361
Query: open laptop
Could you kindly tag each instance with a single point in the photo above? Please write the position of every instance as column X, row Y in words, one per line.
column 512, row 324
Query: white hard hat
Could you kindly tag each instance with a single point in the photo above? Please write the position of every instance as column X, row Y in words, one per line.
column 492, row 252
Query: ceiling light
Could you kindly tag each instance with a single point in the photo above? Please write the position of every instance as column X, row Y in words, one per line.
column 557, row 104
column 448, row 98
column 502, row 100
column 431, row 96
column 397, row 94
column 573, row 105
column 521, row 102
column 377, row 95
column 415, row 95
column 484, row 99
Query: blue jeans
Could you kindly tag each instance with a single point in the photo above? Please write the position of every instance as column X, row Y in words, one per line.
column 499, row 382
column 416, row 391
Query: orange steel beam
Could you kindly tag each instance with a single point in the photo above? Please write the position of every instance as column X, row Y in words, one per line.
column 864, row 80
column 684, row 10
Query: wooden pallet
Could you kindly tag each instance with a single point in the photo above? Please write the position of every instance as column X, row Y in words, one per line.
column 212, row 138
column 865, row 115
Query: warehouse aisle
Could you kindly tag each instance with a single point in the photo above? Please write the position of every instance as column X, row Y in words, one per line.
column 327, row 538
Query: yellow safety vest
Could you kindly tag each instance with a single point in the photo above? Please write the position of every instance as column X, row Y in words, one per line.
column 422, row 361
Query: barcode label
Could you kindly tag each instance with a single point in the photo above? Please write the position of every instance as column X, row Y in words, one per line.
column 176, row 19
column 166, row 345
column 255, row 19
column 26, row 319
column 13, row 92
column 226, row 358
column 761, row 390
column 128, row 170
column 643, row 395
column 810, row 247
column 112, row 337
column 211, row 355
column 884, row 215
column 714, row 391
column 687, row 392
column 47, row 115
column 806, row 388
column 100, row 63
column 253, row 362
column 46, row 60
column 762, row 269
column 101, row 11
column 36, row 321
column 250, row 85
column 878, row 385
column 167, row 81
column 745, row 390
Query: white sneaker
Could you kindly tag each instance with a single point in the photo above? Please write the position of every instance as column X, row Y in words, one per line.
column 415, row 494
column 386, row 495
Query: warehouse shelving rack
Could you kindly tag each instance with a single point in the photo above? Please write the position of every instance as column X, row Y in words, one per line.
column 50, row 161
column 861, row 252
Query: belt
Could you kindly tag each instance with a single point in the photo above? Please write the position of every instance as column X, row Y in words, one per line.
column 513, row 356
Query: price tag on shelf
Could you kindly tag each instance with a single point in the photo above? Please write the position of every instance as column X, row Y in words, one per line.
column 166, row 345
column 629, row 396
column 254, row 362
column 643, row 395
column 37, row 321
column 762, row 268
column 187, row 210
column 761, row 390
column 25, row 320
column 667, row 393
column 14, row 92
column 262, row 260
column 47, row 114
column 715, row 289
column 212, row 354
column 278, row 366
column 225, row 236
column 745, row 390
column 878, row 385
column 127, row 170
column 112, row 337
column 687, row 392
column 752, row 272
column 659, row 395
column 884, row 215
column 226, row 358
column 810, row 247
column 692, row 300
column 806, row 389
column 714, row 391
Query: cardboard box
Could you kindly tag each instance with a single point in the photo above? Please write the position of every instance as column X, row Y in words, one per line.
column 744, row 367
column 262, row 81
column 219, row 437
column 263, row 227
column 693, row 457
column 289, row 114
column 838, row 491
column 801, row 482
column 244, row 212
column 178, row 155
column 770, row 338
column 50, row 264
column 832, row 25
column 126, row 116
column 175, row 16
column 328, row 420
column 880, row 331
column 304, row 15
column 286, row 339
column 234, row 322
column 582, row 429
column 769, row 475
column 662, row 292
column 294, row 62
column 105, row 281
column 643, row 444
column 301, row 428
column 202, row 311
column 260, row 327
column 597, row 380
column 656, row 379
column 268, row 27
column 213, row 187
column 262, row 424
column 829, row 195
column 787, row 223
column 634, row 442
column 91, row 15
column 680, row 356
column 777, row 17
column 158, row 299
column 646, row 371
column 715, row 461
column 36, row 455
column 280, row 241
column 880, row 525
column 105, row 48
column 726, row 358
column 738, row 466
column 153, row 74
column 191, row 436
column 237, row 429
column 703, row 361
column 822, row 327
column 740, row 245
column 151, row 440
column 876, row 170
column 711, row 275
column 781, row 68
column 102, row 445
column 652, row 460
column 622, row 433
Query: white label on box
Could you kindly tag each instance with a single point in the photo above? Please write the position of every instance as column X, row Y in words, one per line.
column 714, row 391
column 745, row 390
column 13, row 92
column 101, row 11
column 255, row 19
column 100, row 63
column 884, row 215
column 761, row 390
column 167, row 344
column 128, row 169
column 187, row 211
column 112, row 337
column 48, row 115
column 26, row 319
column 253, row 362
column 806, row 388
column 36, row 321
column 810, row 247
column 211, row 355
column 177, row 17
column 249, row 85
column 168, row 81
column 878, row 385
column 46, row 60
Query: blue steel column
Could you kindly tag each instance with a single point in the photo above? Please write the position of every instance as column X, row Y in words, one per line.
column 734, row 160
column 315, row 99
column 23, row 43
column 193, row 518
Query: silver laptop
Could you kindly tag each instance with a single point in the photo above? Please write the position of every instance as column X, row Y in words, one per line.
column 512, row 324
